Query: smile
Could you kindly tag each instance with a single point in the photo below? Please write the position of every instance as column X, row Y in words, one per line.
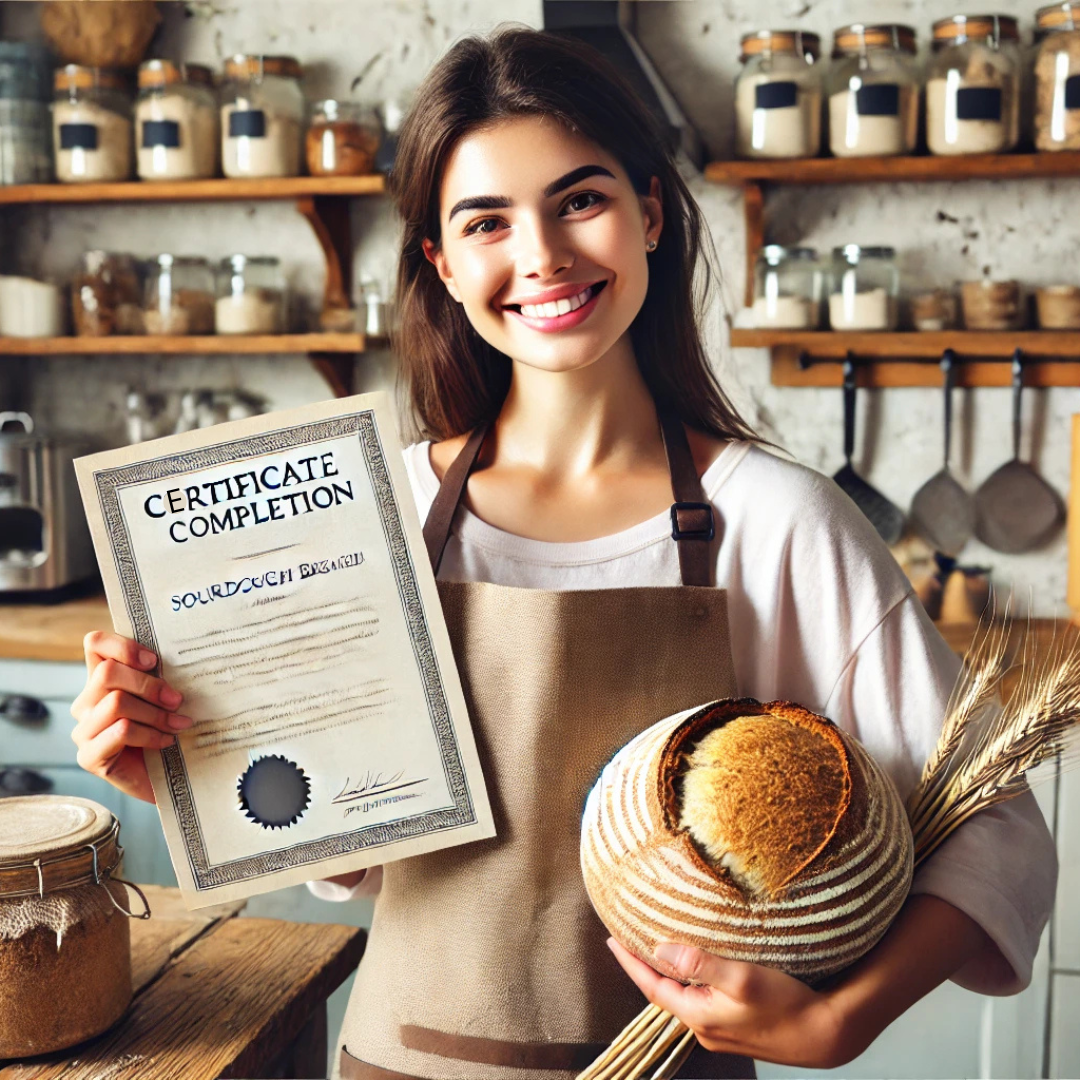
column 559, row 314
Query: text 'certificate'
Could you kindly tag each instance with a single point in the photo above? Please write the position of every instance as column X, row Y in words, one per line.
column 277, row 567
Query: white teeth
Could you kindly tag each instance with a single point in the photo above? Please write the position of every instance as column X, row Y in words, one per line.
column 556, row 307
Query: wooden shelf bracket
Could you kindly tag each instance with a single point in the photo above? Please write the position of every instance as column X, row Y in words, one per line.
column 754, row 216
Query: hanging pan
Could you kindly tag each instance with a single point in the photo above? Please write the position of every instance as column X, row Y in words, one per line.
column 884, row 516
column 942, row 512
column 1016, row 510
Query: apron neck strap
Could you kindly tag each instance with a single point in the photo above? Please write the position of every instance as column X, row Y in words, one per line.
column 692, row 518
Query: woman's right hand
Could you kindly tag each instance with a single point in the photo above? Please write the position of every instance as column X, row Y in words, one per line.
column 123, row 710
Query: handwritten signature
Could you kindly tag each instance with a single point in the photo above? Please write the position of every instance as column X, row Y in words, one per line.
column 373, row 784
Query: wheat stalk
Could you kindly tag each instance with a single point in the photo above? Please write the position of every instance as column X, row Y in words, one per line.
column 983, row 756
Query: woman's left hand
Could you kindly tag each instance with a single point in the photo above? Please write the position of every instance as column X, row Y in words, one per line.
column 745, row 1008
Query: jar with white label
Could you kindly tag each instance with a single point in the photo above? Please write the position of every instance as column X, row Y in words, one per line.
column 179, row 296
column 250, row 296
column 92, row 130
column 262, row 116
column 973, row 85
column 778, row 95
column 1057, row 77
column 176, row 121
column 787, row 288
column 873, row 89
column 864, row 288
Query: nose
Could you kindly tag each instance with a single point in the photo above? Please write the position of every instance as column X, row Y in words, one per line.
column 542, row 249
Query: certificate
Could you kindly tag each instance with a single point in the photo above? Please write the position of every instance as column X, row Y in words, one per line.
column 277, row 567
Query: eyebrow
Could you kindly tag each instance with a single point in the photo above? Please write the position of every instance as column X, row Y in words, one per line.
column 500, row 202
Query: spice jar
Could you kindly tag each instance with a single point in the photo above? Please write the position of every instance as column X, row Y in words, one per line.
column 787, row 288
column 179, row 296
column 262, row 112
column 778, row 95
column 342, row 139
column 176, row 121
column 873, row 90
column 973, row 85
column 25, row 134
column 65, row 941
column 91, row 125
column 1057, row 77
column 106, row 297
column 250, row 296
column 864, row 286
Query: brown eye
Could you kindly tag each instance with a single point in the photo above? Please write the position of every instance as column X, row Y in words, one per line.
column 585, row 195
column 475, row 226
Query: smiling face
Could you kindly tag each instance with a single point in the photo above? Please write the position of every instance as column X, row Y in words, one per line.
column 534, row 215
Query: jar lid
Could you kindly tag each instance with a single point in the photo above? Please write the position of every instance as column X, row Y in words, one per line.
column 777, row 253
column 52, row 842
column 167, row 72
column 959, row 28
column 854, row 252
column 1065, row 16
column 252, row 66
column 796, row 42
column 237, row 263
column 856, row 37
column 80, row 77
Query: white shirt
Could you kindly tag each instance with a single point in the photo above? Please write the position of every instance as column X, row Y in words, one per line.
column 820, row 614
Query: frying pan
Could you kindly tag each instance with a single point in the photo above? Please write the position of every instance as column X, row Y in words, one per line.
column 884, row 516
column 1016, row 510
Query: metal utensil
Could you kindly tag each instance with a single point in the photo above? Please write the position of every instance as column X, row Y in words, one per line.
column 1016, row 510
column 887, row 518
column 942, row 512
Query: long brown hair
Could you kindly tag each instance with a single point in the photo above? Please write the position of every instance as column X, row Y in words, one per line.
column 453, row 378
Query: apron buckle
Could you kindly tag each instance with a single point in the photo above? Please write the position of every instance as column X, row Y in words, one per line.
column 692, row 521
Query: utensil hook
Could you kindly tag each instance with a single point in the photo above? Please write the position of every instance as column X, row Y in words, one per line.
column 1018, row 390
column 948, row 362
column 849, row 406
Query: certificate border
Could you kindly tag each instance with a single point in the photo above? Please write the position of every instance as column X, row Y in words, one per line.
column 364, row 425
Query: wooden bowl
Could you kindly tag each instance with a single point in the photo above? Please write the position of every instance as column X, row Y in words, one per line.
column 100, row 33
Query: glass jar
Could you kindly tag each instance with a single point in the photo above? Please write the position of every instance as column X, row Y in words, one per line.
column 25, row 137
column 179, row 296
column 262, row 113
column 787, row 288
column 176, row 121
column 106, row 296
column 342, row 139
column 873, row 88
column 1057, row 77
column 91, row 125
column 250, row 296
column 778, row 95
column 864, row 288
column 973, row 85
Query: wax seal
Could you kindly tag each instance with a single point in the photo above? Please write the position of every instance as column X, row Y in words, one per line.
column 274, row 792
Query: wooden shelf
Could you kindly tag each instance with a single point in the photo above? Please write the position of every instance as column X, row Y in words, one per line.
column 50, row 631
column 216, row 345
column 291, row 187
column 827, row 350
column 877, row 169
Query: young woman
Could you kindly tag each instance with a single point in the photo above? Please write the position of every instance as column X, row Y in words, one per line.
column 551, row 278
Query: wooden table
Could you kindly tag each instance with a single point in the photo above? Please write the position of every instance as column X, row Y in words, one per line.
column 215, row 996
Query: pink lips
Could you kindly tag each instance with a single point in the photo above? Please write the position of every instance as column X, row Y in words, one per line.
column 559, row 322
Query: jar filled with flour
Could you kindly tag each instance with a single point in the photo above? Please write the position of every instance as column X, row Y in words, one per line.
column 179, row 296
column 262, row 116
column 778, row 95
column 250, row 296
column 65, row 939
column 787, row 288
column 973, row 85
column 92, row 129
column 1057, row 77
column 864, row 288
column 873, row 89
column 176, row 121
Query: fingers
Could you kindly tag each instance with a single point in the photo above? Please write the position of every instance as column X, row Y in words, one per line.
column 96, row 755
column 119, row 705
column 100, row 645
column 112, row 675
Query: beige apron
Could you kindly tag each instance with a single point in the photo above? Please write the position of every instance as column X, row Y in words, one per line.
column 486, row 961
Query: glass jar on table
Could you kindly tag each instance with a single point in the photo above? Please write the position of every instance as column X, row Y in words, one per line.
column 864, row 288
column 262, row 116
column 342, row 139
column 787, row 288
column 176, row 120
column 179, row 296
column 92, row 125
column 251, row 296
column 873, row 90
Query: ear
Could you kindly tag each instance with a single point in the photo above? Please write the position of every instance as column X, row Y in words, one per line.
column 652, row 209
column 434, row 255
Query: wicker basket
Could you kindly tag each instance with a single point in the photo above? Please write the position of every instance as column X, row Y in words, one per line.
column 100, row 33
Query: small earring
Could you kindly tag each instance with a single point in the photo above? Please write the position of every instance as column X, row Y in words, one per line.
column 651, row 245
